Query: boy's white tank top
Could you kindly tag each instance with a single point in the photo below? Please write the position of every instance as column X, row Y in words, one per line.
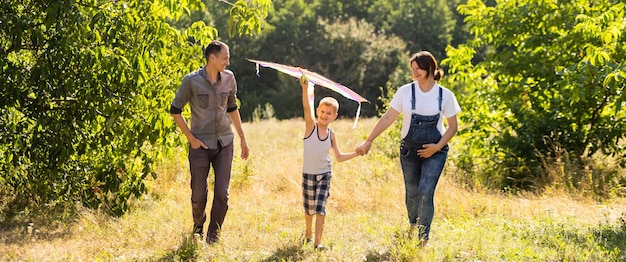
column 316, row 158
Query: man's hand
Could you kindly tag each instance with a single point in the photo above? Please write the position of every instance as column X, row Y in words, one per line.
column 197, row 143
column 245, row 151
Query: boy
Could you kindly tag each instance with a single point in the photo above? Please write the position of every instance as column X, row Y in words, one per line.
column 316, row 167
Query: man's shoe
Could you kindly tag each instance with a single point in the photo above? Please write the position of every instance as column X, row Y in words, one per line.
column 212, row 238
column 198, row 230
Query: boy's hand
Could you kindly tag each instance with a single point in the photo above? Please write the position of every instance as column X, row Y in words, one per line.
column 303, row 79
column 364, row 148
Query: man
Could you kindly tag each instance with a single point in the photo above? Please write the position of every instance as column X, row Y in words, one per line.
column 211, row 94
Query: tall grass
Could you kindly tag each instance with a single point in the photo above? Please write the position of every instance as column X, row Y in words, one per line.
column 366, row 218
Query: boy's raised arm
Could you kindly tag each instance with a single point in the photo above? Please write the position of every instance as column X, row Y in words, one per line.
column 306, row 105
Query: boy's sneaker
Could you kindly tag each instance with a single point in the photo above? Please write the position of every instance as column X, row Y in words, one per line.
column 320, row 247
column 198, row 230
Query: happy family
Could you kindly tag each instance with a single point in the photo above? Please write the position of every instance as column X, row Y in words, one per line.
column 211, row 93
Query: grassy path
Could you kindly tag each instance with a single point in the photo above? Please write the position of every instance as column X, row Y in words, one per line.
column 366, row 219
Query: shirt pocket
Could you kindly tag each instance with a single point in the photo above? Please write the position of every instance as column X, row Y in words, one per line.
column 224, row 99
column 203, row 100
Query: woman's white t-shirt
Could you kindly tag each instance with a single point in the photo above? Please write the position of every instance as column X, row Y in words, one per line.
column 426, row 103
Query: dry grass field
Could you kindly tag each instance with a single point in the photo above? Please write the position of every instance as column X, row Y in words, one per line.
column 366, row 218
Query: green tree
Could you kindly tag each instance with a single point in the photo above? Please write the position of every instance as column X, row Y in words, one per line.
column 296, row 33
column 553, row 86
column 85, row 92
column 353, row 54
column 290, row 35
column 350, row 51
column 423, row 25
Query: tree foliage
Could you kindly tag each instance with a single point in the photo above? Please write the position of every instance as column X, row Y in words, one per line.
column 423, row 25
column 552, row 87
column 349, row 48
column 297, row 33
column 85, row 92
column 86, row 84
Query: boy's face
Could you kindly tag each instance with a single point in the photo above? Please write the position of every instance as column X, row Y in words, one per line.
column 326, row 114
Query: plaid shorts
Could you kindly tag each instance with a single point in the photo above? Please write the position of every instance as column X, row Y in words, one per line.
column 315, row 190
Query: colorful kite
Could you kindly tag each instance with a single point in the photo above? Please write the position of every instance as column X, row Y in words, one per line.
column 314, row 79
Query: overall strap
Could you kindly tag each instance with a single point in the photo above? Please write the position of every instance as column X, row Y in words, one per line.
column 413, row 97
column 440, row 98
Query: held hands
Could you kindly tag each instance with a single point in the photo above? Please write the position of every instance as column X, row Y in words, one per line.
column 427, row 150
column 364, row 148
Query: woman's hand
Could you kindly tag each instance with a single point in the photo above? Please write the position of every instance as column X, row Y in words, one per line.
column 364, row 148
column 428, row 150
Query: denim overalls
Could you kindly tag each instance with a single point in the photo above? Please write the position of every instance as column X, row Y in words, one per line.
column 421, row 174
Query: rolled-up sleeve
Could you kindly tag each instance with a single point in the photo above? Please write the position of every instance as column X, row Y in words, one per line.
column 175, row 110
column 183, row 94
column 232, row 97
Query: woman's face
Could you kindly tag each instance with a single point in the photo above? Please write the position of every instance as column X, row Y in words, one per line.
column 418, row 73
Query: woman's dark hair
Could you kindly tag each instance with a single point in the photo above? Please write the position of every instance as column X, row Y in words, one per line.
column 426, row 61
column 214, row 48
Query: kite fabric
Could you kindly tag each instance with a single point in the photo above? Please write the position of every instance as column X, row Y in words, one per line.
column 314, row 79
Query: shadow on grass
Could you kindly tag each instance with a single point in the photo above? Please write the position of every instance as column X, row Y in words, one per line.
column 603, row 242
column 292, row 251
column 374, row 256
column 612, row 237
column 17, row 230
column 187, row 251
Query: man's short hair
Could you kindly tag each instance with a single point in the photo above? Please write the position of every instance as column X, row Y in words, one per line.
column 214, row 48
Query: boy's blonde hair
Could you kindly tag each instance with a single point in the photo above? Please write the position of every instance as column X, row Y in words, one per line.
column 329, row 101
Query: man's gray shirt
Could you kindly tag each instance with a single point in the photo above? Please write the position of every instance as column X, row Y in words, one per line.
column 209, row 106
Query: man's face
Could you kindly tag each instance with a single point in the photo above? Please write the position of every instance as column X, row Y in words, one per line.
column 221, row 60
